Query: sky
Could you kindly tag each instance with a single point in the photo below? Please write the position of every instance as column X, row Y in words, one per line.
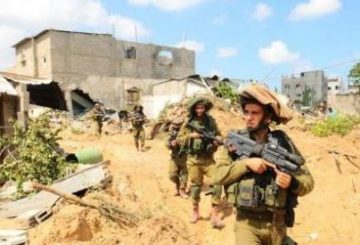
column 242, row 39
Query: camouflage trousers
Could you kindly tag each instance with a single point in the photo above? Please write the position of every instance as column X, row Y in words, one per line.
column 139, row 135
column 178, row 172
column 198, row 167
column 259, row 229
column 99, row 125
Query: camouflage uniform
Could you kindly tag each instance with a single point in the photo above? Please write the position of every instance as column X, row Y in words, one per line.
column 99, row 114
column 262, row 218
column 200, row 160
column 177, row 167
column 137, row 121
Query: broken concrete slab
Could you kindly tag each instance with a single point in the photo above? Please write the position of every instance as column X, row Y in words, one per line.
column 92, row 176
column 13, row 237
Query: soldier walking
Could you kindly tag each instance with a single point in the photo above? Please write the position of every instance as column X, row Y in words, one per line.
column 264, row 196
column 200, row 160
column 177, row 168
column 138, row 119
column 99, row 114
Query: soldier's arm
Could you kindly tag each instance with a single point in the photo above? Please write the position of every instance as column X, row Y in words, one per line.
column 303, row 182
column 217, row 130
column 183, row 135
column 227, row 170
column 215, row 126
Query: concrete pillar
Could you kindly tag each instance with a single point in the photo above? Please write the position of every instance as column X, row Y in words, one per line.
column 68, row 100
column 24, row 101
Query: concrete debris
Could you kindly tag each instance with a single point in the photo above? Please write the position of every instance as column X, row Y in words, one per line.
column 13, row 237
column 94, row 175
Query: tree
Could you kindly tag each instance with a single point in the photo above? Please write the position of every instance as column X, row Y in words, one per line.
column 354, row 75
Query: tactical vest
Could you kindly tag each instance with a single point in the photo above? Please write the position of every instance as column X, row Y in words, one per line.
column 201, row 146
column 138, row 119
column 176, row 150
column 259, row 193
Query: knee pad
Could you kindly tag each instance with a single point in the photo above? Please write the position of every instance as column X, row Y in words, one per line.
column 195, row 192
column 216, row 190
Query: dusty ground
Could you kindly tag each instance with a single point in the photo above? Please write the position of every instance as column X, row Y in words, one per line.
column 329, row 215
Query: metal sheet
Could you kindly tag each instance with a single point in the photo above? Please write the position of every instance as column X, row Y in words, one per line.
column 24, row 79
column 84, row 179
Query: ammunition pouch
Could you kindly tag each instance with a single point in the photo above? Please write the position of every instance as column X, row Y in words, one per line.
column 275, row 198
column 244, row 194
column 200, row 146
column 247, row 194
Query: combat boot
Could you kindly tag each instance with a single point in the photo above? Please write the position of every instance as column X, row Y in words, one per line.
column 183, row 193
column 195, row 214
column 215, row 219
column 177, row 190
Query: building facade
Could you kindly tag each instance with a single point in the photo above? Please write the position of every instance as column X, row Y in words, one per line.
column 306, row 89
column 71, row 56
column 100, row 66
column 335, row 85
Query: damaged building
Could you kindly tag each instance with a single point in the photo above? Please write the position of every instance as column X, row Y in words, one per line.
column 90, row 66
column 306, row 89
column 18, row 93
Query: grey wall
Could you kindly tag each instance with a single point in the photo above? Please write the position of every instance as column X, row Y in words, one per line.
column 295, row 86
column 345, row 103
column 78, row 55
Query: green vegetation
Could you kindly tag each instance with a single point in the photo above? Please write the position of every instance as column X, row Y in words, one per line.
column 340, row 125
column 308, row 96
column 225, row 91
column 354, row 75
column 30, row 154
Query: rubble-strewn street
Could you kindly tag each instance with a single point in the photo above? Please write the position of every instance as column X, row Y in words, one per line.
column 140, row 186
column 188, row 122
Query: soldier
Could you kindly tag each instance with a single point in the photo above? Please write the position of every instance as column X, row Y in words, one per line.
column 137, row 121
column 262, row 218
column 99, row 114
column 200, row 159
column 177, row 169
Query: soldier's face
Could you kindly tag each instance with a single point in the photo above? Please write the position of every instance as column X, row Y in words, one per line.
column 253, row 114
column 200, row 110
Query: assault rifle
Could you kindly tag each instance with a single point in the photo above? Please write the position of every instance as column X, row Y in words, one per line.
column 136, row 116
column 207, row 135
column 243, row 147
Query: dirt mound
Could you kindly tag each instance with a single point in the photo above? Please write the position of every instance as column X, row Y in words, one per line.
column 73, row 224
column 160, row 230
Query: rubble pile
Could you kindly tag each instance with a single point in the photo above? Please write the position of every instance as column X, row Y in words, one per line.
column 222, row 108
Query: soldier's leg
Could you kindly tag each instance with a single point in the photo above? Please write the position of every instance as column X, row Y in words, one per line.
column 216, row 189
column 142, row 138
column 246, row 232
column 216, row 218
column 183, row 175
column 174, row 175
column 98, row 126
column 136, row 137
column 196, row 178
column 277, row 230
